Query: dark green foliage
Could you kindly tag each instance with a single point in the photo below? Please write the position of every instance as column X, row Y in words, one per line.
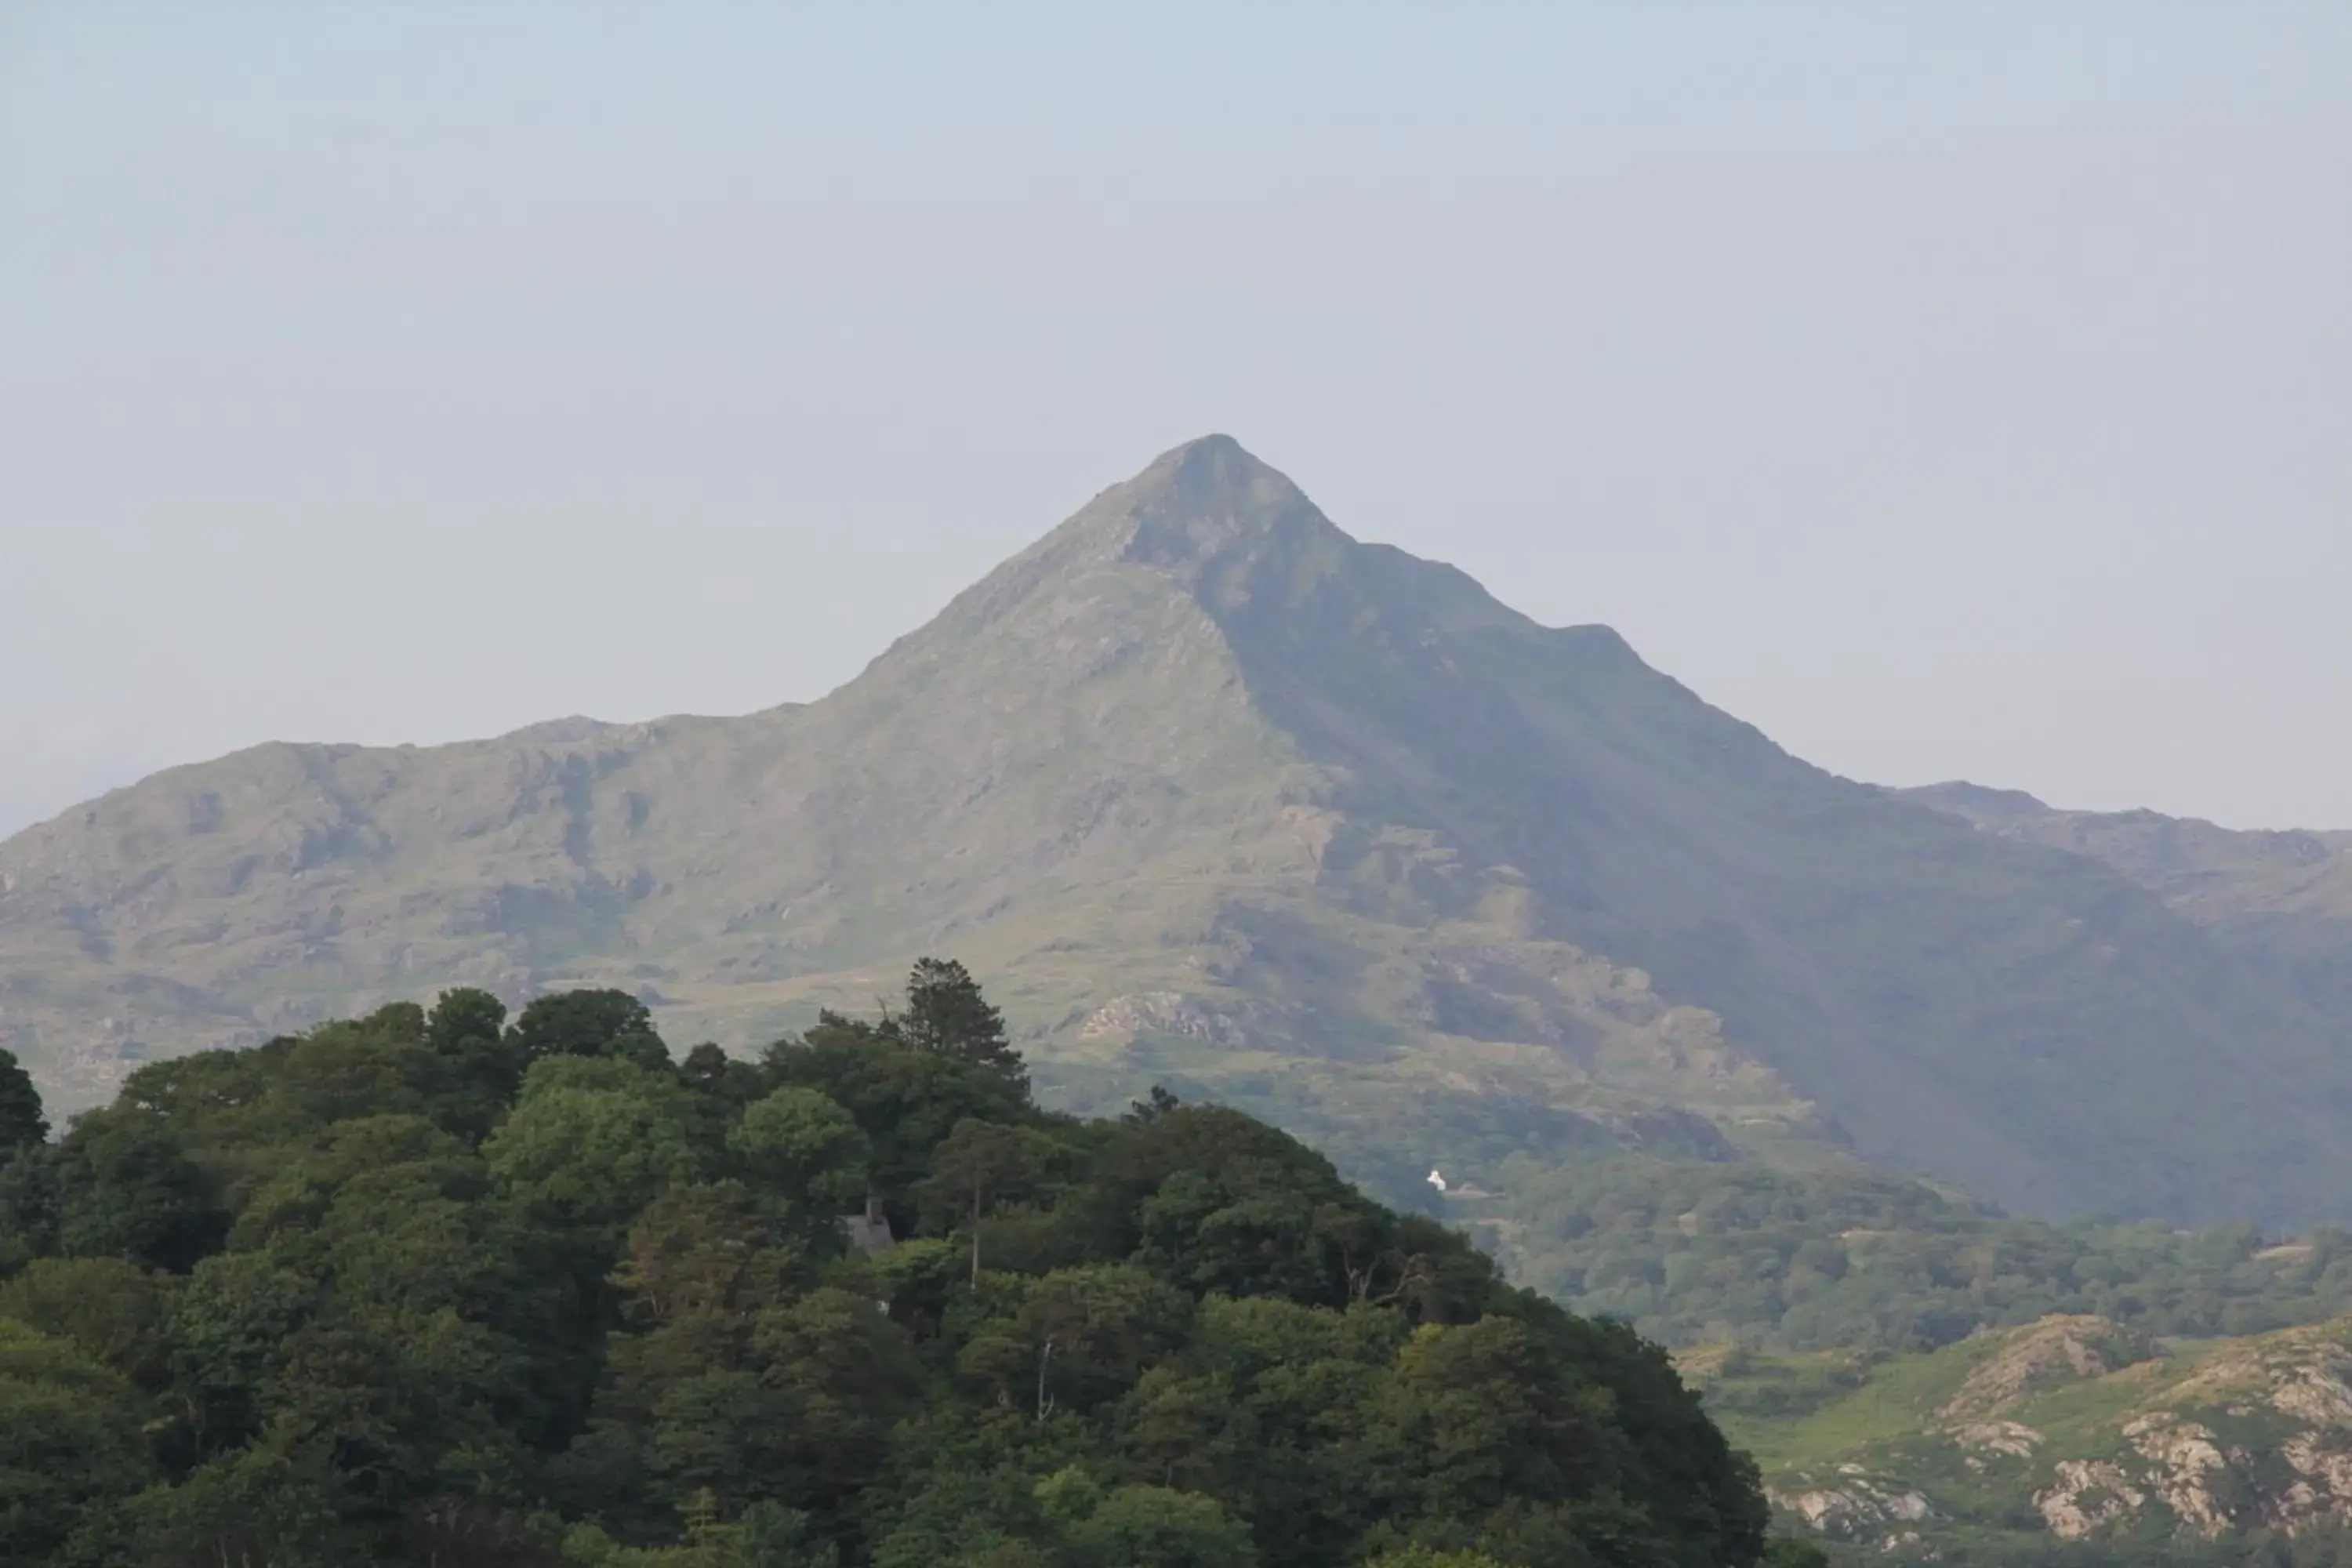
column 589, row 1023
column 256, row 1506
column 947, row 1016
column 418, row 1289
column 466, row 1030
column 110, row 1311
column 22, row 1122
column 1694, row 1253
column 29, row 1206
column 978, row 1164
column 463, row 1015
column 28, row 1172
column 905, row 1101
column 801, row 1143
column 70, row 1441
column 1138, row 1525
column 715, row 1073
column 127, row 1188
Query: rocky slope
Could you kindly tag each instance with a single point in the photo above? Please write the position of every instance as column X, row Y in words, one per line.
column 1213, row 793
column 2071, row 1427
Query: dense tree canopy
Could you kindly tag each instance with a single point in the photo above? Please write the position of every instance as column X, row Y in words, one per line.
column 429, row 1287
column 1695, row 1252
column 21, row 1121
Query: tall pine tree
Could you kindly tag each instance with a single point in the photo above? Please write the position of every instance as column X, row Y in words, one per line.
column 947, row 1016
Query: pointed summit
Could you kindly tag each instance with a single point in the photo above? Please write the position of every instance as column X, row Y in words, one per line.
column 1205, row 459
column 1197, row 502
column 1210, row 499
column 1214, row 470
column 1214, row 473
column 1208, row 511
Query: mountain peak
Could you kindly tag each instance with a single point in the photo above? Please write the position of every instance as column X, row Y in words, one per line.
column 1207, row 503
column 1207, row 497
column 1203, row 466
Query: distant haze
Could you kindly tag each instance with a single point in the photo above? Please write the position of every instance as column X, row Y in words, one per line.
column 1950, row 390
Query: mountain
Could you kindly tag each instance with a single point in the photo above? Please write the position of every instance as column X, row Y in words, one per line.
column 1214, row 795
column 2280, row 901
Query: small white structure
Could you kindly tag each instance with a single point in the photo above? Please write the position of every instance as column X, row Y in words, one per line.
column 1437, row 1181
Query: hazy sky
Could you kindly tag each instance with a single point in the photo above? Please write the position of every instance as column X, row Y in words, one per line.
column 1951, row 389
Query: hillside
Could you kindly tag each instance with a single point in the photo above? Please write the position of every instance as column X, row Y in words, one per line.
column 2073, row 1428
column 2280, row 900
column 1236, row 801
column 1693, row 1252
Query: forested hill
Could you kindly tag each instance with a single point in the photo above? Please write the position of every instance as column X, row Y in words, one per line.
column 427, row 1287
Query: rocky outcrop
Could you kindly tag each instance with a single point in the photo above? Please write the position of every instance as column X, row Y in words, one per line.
column 2188, row 1469
column 1855, row 1506
column 2085, row 1494
column 2013, row 1438
column 2056, row 1351
column 2096, row 1432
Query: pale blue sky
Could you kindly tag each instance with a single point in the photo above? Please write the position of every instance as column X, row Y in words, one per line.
column 1950, row 389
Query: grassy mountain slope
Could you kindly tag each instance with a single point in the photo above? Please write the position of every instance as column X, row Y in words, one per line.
column 2282, row 901
column 1230, row 798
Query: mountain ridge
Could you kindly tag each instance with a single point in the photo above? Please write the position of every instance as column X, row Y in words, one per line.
column 1227, row 798
column 2279, row 899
